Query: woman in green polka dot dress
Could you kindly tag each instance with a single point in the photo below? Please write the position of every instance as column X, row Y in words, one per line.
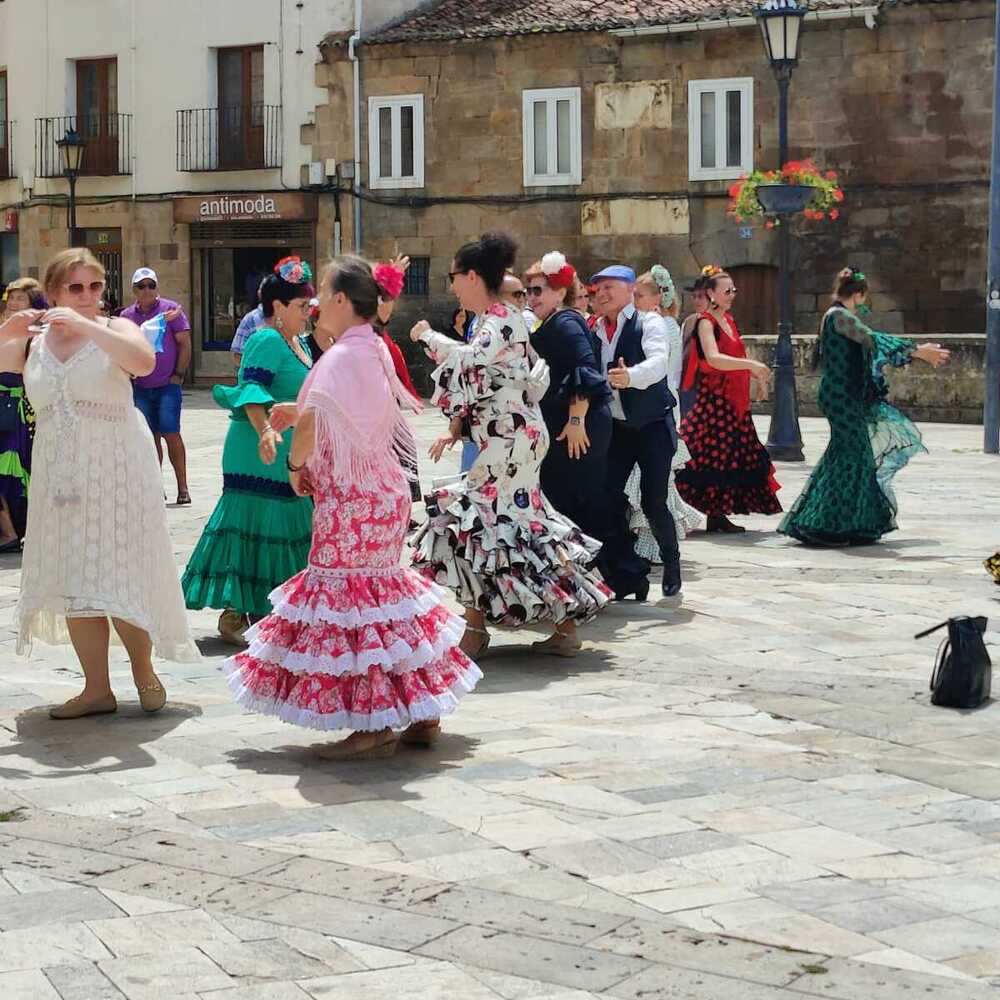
column 849, row 499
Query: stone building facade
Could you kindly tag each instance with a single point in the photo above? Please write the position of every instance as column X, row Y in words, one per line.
column 897, row 98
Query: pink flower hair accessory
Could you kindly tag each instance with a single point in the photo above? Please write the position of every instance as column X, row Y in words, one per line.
column 389, row 280
column 558, row 272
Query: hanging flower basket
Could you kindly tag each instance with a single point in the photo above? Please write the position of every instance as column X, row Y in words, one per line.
column 798, row 187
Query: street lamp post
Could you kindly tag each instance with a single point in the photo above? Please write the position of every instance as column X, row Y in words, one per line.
column 780, row 23
column 71, row 148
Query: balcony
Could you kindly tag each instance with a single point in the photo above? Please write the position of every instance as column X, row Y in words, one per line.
column 240, row 137
column 107, row 144
column 6, row 150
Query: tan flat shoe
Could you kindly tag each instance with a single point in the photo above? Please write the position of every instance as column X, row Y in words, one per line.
column 152, row 696
column 377, row 746
column 558, row 644
column 421, row 734
column 77, row 708
column 232, row 625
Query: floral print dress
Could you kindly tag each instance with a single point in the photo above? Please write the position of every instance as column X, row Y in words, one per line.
column 492, row 537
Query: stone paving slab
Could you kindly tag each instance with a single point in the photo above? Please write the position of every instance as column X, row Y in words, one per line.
column 746, row 796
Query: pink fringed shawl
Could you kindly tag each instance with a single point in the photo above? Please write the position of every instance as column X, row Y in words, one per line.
column 362, row 436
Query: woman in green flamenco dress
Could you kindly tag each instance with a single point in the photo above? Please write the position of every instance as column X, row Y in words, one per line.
column 259, row 533
column 849, row 499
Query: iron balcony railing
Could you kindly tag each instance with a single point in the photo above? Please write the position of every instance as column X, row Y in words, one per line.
column 107, row 144
column 236, row 137
column 6, row 150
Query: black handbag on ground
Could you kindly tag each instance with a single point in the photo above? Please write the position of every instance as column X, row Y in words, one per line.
column 963, row 672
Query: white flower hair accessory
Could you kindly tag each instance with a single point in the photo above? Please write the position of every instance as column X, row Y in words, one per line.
column 665, row 284
column 558, row 272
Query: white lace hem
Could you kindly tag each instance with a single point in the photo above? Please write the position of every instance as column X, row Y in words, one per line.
column 48, row 626
column 399, row 658
column 321, row 611
column 424, row 710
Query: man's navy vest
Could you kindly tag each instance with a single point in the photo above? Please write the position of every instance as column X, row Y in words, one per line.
column 641, row 406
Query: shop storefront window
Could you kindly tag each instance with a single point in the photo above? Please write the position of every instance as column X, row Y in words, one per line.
column 8, row 258
column 230, row 279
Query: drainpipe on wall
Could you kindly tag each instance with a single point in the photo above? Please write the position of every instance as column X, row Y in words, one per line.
column 132, row 62
column 352, row 51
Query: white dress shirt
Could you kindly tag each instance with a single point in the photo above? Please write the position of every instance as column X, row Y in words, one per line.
column 655, row 345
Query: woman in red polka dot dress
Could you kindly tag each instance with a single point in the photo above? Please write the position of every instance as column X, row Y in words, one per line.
column 730, row 471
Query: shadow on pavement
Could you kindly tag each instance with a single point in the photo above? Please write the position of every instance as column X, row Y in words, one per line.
column 77, row 744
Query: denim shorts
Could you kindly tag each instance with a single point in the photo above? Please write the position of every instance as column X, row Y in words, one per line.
column 160, row 406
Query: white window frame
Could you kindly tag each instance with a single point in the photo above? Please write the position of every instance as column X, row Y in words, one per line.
column 744, row 84
column 396, row 104
column 551, row 95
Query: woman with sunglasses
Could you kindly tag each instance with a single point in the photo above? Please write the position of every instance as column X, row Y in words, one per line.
column 259, row 533
column 849, row 499
column 576, row 406
column 97, row 553
column 729, row 471
column 511, row 558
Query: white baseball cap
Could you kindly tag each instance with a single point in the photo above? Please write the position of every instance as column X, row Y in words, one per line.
column 144, row 274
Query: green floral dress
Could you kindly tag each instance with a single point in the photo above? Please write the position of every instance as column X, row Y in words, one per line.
column 849, row 499
column 259, row 533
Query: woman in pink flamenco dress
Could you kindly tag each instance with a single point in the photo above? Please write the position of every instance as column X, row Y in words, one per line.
column 355, row 641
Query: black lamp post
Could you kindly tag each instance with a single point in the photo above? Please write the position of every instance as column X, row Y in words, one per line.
column 71, row 148
column 780, row 24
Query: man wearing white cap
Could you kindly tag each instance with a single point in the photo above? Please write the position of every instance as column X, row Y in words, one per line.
column 158, row 395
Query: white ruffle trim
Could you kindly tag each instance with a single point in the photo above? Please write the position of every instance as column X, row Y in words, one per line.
column 430, row 707
column 320, row 610
column 399, row 658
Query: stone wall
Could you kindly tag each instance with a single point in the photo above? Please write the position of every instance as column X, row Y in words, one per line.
column 902, row 111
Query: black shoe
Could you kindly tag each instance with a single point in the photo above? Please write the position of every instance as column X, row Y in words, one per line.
column 671, row 589
column 671, row 586
column 640, row 590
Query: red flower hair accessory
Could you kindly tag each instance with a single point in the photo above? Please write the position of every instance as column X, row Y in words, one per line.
column 558, row 273
column 389, row 280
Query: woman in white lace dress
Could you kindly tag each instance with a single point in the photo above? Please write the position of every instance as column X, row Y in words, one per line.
column 97, row 552
column 655, row 292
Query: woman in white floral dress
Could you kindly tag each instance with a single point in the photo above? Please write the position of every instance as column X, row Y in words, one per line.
column 492, row 537
column 655, row 292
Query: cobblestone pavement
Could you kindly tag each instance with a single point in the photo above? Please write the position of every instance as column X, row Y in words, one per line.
column 748, row 797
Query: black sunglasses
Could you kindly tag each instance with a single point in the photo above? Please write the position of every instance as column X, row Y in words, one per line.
column 146, row 286
column 534, row 290
column 454, row 274
column 78, row 287
column 521, row 294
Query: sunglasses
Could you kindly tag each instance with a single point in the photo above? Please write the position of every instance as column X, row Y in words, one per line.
column 534, row 290
column 78, row 287
column 520, row 295
column 727, row 291
column 452, row 275
column 147, row 286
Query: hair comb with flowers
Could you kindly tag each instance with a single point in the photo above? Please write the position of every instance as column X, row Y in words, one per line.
column 294, row 270
column 710, row 270
column 665, row 284
column 558, row 273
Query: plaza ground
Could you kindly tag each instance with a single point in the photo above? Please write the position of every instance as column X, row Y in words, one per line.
column 747, row 797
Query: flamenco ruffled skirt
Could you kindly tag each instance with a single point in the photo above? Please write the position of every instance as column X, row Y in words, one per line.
column 250, row 544
column 516, row 565
column 354, row 649
column 729, row 471
column 849, row 498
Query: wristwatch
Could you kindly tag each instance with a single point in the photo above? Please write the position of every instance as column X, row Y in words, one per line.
column 575, row 421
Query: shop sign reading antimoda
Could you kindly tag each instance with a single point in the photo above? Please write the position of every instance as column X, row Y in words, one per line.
column 250, row 206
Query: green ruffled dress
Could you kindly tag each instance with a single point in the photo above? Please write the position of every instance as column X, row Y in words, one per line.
column 259, row 533
column 849, row 498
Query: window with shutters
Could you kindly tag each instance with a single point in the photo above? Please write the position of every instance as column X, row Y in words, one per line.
column 720, row 128
column 396, row 141
column 552, row 137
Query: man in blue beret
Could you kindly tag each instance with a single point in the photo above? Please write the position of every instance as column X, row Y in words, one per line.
column 635, row 350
